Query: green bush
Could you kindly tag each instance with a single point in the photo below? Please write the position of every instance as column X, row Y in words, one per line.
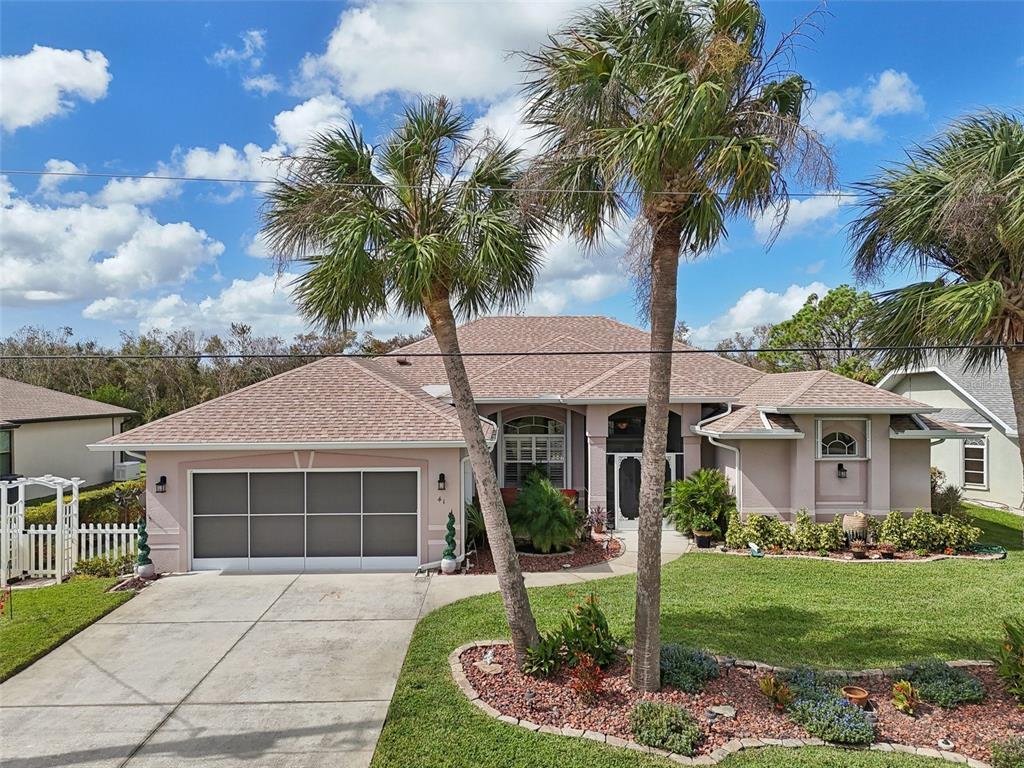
column 945, row 686
column 809, row 536
column 584, row 630
column 476, row 530
column 1011, row 658
column 543, row 515
column 95, row 506
column 702, row 501
column 735, row 532
column 101, row 566
column 686, row 669
column 926, row 532
column 832, row 718
column 894, row 530
column 545, row 657
column 664, row 726
column 1009, row 753
column 762, row 530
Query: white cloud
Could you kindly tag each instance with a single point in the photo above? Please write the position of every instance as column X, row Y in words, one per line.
column 252, row 162
column 46, row 82
column 257, row 247
column 51, row 187
column 755, row 307
column 140, row 191
column 264, row 84
column 63, row 253
column 294, row 127
column 459, row 49
column 504, row 119
column 572, row 276
column 254, row 42
column 803, row 215
column 853, row 114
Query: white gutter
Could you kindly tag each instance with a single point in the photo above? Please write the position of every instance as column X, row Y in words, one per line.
column 735, row 449
column 845, row 410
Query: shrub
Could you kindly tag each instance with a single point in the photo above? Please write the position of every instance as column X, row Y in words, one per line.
column 703, row 501
column 543, row 515
column 922, row 531
column 778, row 693
column 1011, row 659
column 735, row 532
column 833, row 718
column 476, row 530
column 545, row 657
column 587, row 678
column 101, row 566
column 806, row 683
column 945, row 499
column 584, row 632
column 664, row 726
column 768, row 532
column 809, row 536
column 1009, row 753
column 894, row 530
column 94, row 506
column 954, row 533
column 925, row 532
column 943, row 685
column 905, row 697
column 686, row 669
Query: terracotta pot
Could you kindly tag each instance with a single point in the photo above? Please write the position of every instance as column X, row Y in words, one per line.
column 859, row 554
column 598, row 527
column 571, row 494
column 855, row 695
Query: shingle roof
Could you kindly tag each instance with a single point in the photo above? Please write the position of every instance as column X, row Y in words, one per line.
column 903, row 424
column 991, row 388
column 960, row 416
column 331, row 401
column 20, row 402
column 749, row 420
column 822, row 389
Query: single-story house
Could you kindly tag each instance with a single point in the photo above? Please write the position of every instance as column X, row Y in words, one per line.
column 45, row 432
column 987, row 464
column 356, row 463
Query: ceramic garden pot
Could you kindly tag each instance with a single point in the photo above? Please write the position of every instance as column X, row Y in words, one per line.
column 449, row 565
column 855, row 695
column 703, row 539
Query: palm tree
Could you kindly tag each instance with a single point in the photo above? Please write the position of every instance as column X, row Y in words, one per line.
column 671, row 110
column 956, row 206
column 424, row 223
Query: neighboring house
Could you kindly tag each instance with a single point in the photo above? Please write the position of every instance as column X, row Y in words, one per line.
column 348, row 463
column 45, row 432
column 987, row 465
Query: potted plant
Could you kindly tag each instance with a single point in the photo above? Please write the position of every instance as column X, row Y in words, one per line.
column 887, row 551
column 597, row 519
column 448, row 561
column 705, row 528
column 859, row 550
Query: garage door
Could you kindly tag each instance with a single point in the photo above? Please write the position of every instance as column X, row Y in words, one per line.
column 336, row 520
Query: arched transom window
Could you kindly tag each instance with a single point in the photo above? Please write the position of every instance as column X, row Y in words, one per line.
column 534, row 442
column 838, row 444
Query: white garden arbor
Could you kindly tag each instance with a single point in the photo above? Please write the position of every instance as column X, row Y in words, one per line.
column 62, row 546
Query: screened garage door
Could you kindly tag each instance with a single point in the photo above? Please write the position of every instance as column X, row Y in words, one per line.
column 332, row 520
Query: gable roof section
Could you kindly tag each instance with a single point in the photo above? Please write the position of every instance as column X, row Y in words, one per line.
column 749, row 422
column 332, row 403
column 921, row 426
column 824, row 392
column 987, row 390
column 24, row 403
column 573, row 377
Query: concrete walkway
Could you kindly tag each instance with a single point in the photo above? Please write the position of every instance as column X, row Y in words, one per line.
column 226, row 670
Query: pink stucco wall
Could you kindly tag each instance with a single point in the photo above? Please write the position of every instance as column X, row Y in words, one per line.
column 765, row 465
column 168, row 517
column 909, row 462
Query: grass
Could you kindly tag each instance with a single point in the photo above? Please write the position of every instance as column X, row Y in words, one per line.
column 46, row 617
column 999, row 527
column 778, row 611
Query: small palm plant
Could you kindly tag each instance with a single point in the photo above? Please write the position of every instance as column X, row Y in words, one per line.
column 955, row 207
column 700, row 502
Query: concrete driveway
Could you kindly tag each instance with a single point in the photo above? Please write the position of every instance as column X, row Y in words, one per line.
column 231, row 669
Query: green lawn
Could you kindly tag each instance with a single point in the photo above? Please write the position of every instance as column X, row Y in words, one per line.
column 1000, row 528
column 779, row 611
column 46, row 617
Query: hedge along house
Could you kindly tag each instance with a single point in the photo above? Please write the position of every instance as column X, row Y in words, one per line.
column 345, row 464
column 45, row 432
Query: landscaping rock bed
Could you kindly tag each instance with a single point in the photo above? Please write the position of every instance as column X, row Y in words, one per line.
column 586, row 552
column 553, row 707
column 873, row 556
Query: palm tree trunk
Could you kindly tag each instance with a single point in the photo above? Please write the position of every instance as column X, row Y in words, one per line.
column 646, row 668
column 499, row 536
column 1015, row 369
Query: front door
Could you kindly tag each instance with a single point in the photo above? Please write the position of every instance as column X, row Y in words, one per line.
column 626, row 476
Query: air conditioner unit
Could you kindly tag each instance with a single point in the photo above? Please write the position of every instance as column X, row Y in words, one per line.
column 127, row 470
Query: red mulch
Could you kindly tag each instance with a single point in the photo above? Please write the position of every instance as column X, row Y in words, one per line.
column 845, row 554
column 970, row 727
column 587, row 552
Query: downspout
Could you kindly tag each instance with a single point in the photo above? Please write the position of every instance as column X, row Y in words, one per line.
column 739, row 466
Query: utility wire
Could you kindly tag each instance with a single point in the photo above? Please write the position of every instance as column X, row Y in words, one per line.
column 535, row 353
column 352, row 184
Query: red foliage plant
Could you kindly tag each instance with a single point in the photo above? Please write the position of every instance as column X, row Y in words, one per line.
column 586, row 678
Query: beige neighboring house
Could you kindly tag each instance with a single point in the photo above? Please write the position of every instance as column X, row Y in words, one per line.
column 349, row 464
column 45, row 432
column 987, row 465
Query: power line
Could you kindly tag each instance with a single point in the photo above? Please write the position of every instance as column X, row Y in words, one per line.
column 349, row 184
column 534, row 353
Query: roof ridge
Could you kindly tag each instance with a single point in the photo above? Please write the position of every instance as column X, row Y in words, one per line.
column 802, row 388
column 416, row 395
column 602, row 377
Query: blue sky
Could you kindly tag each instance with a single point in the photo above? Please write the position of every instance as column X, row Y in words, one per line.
column 214, row 89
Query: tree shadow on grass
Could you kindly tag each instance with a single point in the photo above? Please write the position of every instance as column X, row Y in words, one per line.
column 789, row 636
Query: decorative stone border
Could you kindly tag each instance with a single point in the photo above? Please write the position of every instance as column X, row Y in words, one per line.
column 730, row 747
column 929, row 559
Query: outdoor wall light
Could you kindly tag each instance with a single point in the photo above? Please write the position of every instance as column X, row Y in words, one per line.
column 440, row 482
column 161, row 484
column 840, row 471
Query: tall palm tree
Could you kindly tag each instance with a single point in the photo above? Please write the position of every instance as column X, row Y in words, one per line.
column 424, row 223
column 671, row 110
column 956, row 206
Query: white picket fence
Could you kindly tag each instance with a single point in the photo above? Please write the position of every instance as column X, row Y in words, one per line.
column 39, row 544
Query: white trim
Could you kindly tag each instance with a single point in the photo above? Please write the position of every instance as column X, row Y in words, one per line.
column 818, row 456
column 985, row 459
column 559, row 400
column 963, row 392
column 302, row 563
column 376, row 444
column 776, row 434
column 842, row 410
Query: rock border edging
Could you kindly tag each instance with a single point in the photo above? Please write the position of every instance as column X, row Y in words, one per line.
column 730, row 747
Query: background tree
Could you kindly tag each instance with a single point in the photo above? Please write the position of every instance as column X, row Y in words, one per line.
column 672, row 110
column 426, row 223
column 835, row 320
column 742, row 347
column 956, row 208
